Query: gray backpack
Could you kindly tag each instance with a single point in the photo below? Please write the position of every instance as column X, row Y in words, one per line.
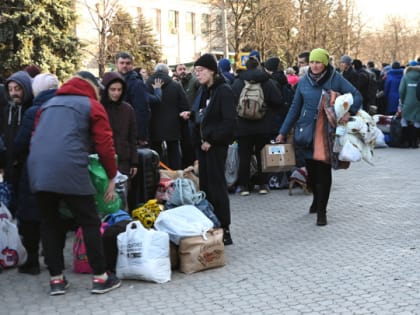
column 251, row 103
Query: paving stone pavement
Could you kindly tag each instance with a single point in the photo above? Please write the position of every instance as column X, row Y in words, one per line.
column 365, row 261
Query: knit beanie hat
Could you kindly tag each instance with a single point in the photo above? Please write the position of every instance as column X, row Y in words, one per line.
column 207, row 61
column 357, row 64
column 33, row 70
column 320, row 55
column 272, row 64
column 224, row 65
column 412, row 63
column 90, row 77
column 43, row 82
column 396, row 65
column 346, row 59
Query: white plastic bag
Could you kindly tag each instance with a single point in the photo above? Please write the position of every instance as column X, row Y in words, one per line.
column 182, row 222
column 143, row 254
column 4, row 212
column 350, row 153
column 12, row 252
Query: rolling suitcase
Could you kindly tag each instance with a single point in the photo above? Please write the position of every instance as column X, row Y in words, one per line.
column 146, row 181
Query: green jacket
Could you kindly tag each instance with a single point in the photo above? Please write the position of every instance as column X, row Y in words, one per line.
column 407, row 90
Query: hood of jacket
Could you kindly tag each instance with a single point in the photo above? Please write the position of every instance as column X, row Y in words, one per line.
column 255, row 75
column 78, row 86
column 44, row 96
column 395, row 72
column 412, row 72
column 24, row 80
column 108, row 79
column 159, row 75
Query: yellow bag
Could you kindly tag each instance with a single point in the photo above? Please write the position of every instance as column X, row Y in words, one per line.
column 147, row 213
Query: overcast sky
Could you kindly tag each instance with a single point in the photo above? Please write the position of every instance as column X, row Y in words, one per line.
column 375, row 11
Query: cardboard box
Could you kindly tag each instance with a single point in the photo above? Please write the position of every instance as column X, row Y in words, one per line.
column 277, row 158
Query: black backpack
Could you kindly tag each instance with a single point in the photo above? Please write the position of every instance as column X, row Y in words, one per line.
column 288, row 94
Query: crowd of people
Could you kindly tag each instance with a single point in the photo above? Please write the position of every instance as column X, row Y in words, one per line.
column 48, row 131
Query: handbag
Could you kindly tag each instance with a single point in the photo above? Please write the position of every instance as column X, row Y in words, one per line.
column 304, row 133
column 197, row 253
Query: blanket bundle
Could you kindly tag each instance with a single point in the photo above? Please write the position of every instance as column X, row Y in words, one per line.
column 340, row 144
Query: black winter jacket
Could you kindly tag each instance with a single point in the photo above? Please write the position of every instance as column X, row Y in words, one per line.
column 273, row 98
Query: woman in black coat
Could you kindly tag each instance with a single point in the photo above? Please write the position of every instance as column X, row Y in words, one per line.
column 214, row 116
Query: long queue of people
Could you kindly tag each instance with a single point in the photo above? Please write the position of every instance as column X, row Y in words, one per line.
column 49, row 130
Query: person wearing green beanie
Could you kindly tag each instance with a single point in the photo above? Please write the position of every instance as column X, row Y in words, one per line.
column 320, row 55
column 303, row 115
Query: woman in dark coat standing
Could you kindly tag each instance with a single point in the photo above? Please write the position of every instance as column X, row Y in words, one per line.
column 214, row 116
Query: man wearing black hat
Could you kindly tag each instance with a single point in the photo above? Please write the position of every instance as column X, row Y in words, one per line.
column 69, row 125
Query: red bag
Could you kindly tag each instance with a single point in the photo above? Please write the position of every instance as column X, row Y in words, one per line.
column 80, row 259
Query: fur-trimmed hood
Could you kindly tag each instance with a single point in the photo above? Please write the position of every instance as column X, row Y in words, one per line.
column 78, row 85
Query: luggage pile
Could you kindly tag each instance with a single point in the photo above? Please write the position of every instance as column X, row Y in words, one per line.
column 177, row 229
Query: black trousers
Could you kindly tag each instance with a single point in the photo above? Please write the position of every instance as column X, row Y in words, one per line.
column 247, row 146
column 171, row 156
column 213, row 181
column 31, row 236
column 320, row 179
column 53, row 230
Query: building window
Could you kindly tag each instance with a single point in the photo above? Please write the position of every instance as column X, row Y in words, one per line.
column 173, row 22
column 190, row 23
column 205, row 23
column 158, row 22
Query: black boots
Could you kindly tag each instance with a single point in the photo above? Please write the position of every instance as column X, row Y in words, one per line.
column 321, row 219
column 227, row 239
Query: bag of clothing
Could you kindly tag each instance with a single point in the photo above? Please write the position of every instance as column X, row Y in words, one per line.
column 12, row 252
column 143, row 254
column 116, row 217
column 197, row 253
column 4, row 212
column 184, row 193
column 183, row 221
column 100, row 182
column 232, row 165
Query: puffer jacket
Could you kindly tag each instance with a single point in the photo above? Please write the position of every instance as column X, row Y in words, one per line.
column 392, row 83
column 407, row 89
column 69, row 127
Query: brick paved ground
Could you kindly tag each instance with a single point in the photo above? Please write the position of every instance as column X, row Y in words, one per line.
column 365, row 261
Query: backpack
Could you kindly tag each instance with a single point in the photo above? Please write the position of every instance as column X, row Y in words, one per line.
column 372, row 88
column 251, row 103
column 288, row 94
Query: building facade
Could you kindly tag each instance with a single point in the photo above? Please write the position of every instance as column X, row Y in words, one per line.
column 184, row 29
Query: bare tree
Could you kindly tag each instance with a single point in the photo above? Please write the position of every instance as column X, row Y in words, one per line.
column 102, row 14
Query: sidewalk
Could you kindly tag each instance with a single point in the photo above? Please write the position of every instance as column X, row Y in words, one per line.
column 365, row 261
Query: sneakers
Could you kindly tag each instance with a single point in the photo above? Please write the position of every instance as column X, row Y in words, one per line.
column 263, row 189
column 243, row 191
column 227, row 239
column 59, row 286
column 101, row 286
